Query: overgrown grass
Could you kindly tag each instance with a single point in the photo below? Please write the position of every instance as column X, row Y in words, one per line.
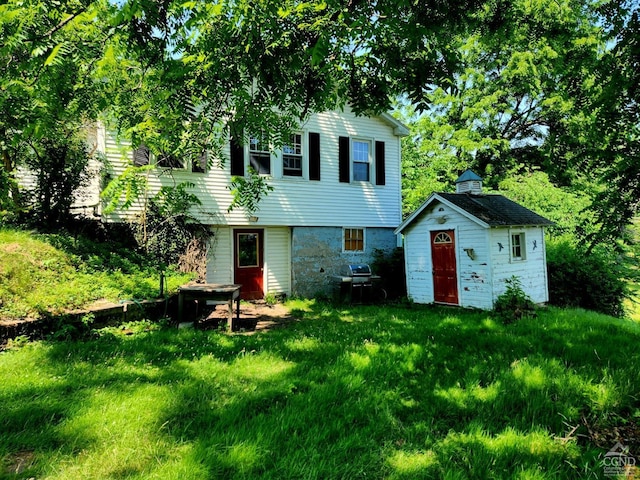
column 400, row 392
column 42, row 274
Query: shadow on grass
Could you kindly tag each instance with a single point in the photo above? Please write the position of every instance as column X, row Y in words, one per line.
column 348, row 392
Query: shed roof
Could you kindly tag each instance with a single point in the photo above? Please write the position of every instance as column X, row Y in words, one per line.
column 469, row 175
column 496, row 210
column 490, row 210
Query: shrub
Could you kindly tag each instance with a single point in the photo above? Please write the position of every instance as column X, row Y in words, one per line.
column 593, row 280
column 514, row 303
column 390, row 267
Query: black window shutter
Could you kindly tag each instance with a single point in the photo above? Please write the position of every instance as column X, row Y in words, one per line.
column 237, row 158
column 141, row 156
column 343, row 159
column 314, row 156
column 380, row 167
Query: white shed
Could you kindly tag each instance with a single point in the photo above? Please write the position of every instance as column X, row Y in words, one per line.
column 461, row 247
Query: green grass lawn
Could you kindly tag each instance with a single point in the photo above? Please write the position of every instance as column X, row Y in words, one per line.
column 392, row 392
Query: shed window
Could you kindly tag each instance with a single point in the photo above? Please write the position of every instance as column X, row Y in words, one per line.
column 442, row 237
column 518, row 250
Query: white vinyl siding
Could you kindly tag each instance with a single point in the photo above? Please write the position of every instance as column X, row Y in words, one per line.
column 277, row 264
column 532, row 272
column 220, row 258
column 299, row 202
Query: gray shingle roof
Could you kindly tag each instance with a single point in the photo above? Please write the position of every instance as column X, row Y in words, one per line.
column 495, row 210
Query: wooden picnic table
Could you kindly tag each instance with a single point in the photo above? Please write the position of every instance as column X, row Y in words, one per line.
column 212, row 293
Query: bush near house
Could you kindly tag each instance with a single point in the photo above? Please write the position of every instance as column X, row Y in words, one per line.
column 593, row 280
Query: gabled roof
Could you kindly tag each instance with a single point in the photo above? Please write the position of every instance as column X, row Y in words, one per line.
column 399, row 128
column 488, row 210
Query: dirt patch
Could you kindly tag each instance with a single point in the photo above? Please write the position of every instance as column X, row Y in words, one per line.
column 17, row 463
column 625, row 431
column 11, row 247
column 256, row 316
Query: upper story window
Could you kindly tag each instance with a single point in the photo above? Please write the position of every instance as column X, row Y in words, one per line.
column 143, row 156
column 360, row 154
column 518, row 250
column 292, row 156
column 294, row 162
column 167, row 160
column 361, row 161
column 199, row 164
column 259, row 154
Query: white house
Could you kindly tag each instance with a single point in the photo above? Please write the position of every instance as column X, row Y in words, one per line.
column 461, row 247
column 336, row 198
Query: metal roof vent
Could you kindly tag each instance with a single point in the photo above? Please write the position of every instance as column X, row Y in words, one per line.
column 469, row 182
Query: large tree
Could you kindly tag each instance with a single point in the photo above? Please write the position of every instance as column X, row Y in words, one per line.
column 555, row 91
column 503, row 82
column 47, row 93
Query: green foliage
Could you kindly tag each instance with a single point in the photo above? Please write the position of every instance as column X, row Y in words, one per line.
column 167, row 226
column 7, row 205
column 247, row 191
column 59, row 163
column 46, row 62
column 433, row 393
column 568, row 208
column 49, row 274
column 125, row 189
column 555, row 91
column 514, row 304
column 595, row 280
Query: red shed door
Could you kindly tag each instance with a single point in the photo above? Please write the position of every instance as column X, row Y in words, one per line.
column 443, row 257
column 249, row 262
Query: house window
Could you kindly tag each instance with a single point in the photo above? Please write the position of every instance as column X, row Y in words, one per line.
column 518, row 251
column 353, row 239
column 199, row 164
column 360, row 150
column 167, row 160
column 259, row 154
column 292, row 156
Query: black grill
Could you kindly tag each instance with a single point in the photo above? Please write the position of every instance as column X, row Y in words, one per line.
column 356, row 283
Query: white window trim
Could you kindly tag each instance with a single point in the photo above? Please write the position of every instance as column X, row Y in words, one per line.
column 364, row 240
column 247, row 157
column 523, row 246
column 304, row 148
column 370, row 143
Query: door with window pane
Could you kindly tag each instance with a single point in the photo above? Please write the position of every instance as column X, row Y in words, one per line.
column 443, row 258
column 249, row 262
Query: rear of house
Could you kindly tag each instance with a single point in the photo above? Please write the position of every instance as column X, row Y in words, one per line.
column 336, row 199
